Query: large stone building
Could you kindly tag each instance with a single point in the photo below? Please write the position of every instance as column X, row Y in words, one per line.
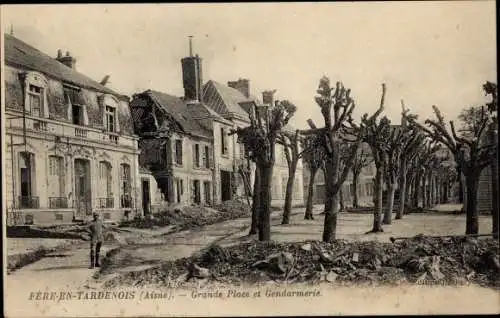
column 188, row 154
column 70, row 148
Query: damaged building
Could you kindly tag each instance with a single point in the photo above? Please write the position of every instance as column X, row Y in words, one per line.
column 70, row 148
column 187, row 152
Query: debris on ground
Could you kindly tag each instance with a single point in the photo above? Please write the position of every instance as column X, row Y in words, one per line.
column 192, row 216
column 419, row 260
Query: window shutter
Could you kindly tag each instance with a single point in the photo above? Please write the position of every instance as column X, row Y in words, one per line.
column 194, row 155
column 205, row 158
column 211, row 156
column 117, row 119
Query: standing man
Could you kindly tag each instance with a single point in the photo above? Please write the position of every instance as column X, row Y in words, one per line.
column 96, row 238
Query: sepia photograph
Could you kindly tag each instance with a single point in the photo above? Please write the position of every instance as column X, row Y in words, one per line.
column 250, row 159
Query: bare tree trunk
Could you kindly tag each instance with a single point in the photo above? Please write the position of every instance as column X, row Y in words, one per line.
column 266, row 174
column 424, row 192
column 431, row 190
column 390, row 203
column 331, row 204
column 310, row 195
column 472, row 226
column 355, row 201
column 463, row 186
column 341, row 199
column 416, row 190
column 289, row 193
column 256, row 203
column 402, row 192
column 377, row 212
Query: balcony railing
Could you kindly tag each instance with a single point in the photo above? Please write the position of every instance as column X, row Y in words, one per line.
column 64, row 129
column 80, row 132
column 126, row 201
column 58, row 202
column 106, row 203
column 29, row 202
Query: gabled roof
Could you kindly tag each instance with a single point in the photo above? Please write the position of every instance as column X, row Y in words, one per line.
column 225, row 100
column 20, row 54
column 202, row 111
column 177, row 108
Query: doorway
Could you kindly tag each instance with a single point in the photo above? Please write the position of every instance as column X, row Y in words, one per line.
column 146, row 197
column 83, row 196
column 225, row 182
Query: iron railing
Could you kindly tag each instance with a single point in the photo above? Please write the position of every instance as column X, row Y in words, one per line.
column 58, row 202
column 106, row 203
column 29, row 202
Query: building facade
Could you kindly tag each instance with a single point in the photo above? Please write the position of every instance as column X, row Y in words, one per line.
column 70, row 149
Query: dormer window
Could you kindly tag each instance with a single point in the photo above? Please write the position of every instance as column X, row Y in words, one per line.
column 76, row 106
column 109, row 106
column 35, row 103
column 35, row 100
column 110, row 119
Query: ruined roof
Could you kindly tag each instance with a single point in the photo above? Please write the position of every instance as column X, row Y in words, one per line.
column 177, row 108
column 21, row 54
column 225, row 100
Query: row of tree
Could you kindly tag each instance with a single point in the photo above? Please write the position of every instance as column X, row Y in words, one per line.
column 407, row 157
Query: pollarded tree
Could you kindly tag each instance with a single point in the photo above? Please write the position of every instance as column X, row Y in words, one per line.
column 410, row 148
column 363, row 159
column 293, row 152
column 260, row 141
column 336, row 107
column 375, row 133
column 470, row 152
column 314, row 159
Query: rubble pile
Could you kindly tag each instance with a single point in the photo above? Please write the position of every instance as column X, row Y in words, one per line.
column 419, row 260
column 188, row 217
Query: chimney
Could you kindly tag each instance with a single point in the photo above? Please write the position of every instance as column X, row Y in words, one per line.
column 67, row 60
column 192, row 75
column 268, row 97
column 242, row 85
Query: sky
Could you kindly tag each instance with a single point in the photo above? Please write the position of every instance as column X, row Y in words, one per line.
column 427, row 53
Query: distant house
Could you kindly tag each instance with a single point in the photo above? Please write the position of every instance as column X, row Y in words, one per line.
column 70, row 148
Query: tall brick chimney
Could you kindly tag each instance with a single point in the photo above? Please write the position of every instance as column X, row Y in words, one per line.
column 242, row 85
column 192, row 76
column 67, row 60
column 268, row 97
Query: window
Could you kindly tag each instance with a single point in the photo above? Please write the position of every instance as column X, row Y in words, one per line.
column 57, row 197
column 105, row 178
column 206, row 190
column 180, row 189
column 26, row 176
column 35, row 98
column 206, row 157
column 224, row 148
column 178, row 152
column 35, row 103
column 56, row 166
column 126, row 199
column 75, row 101
column 110, row 119
column 196, row 155
column 296, row 189
column 196, row 190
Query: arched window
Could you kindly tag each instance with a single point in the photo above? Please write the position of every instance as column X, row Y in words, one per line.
column 35, row 102
column 110, row 115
